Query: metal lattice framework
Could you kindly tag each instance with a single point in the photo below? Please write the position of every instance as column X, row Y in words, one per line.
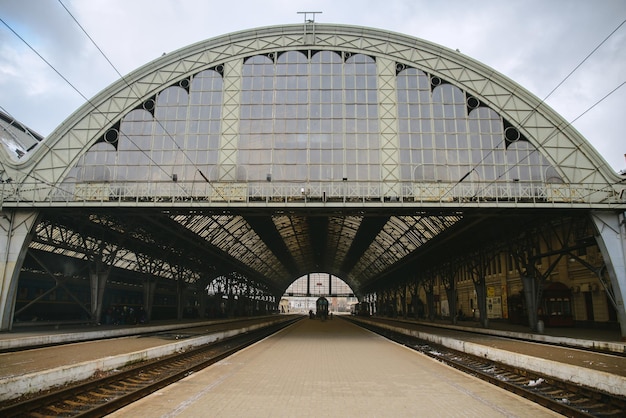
column 277, row 231
column 577, row 162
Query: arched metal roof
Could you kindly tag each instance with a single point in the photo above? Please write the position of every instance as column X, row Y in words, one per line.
column 566, row 149
column 276, row 236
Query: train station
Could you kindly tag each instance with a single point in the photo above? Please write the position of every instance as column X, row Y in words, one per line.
column 403, row 177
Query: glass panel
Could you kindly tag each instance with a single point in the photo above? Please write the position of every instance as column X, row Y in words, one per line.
column 480, row 131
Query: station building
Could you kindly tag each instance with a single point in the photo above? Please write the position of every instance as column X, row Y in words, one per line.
column 205, row 182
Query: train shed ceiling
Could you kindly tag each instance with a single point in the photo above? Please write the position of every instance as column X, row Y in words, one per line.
column 271, row 247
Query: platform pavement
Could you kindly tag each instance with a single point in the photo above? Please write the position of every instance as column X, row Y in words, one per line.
column 331, row 369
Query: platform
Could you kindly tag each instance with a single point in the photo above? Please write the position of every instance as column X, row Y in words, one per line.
column 37, row 369
column 330, row 369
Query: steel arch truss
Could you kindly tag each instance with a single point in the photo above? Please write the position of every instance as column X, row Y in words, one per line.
column 576, row 161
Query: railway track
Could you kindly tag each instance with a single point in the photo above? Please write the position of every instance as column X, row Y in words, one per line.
column 98, row 397
column 566, row 398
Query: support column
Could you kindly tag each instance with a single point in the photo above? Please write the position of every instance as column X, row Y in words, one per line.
column 481, row 295
column 230, row 301
column 611, row 238
column 429, row 288
column 330, row 284
column 403, row 301
column 202, row 295
column 180, row 297
column 308, row 285
column 149, row 289
column 451, row 295
column 532, row 300
column 16, row 232
column 97, row 281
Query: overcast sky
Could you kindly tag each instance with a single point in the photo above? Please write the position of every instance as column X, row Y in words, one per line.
column 536, row 43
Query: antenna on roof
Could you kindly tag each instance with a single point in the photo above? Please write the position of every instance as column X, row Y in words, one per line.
column 309, row 38
column 306, row 16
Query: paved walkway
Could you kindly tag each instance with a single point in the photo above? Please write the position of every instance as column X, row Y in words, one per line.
column 331, row 369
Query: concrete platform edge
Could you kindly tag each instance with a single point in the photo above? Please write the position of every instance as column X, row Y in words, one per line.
column 16, row 386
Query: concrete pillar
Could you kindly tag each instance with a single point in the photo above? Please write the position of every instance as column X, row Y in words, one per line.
column 611, row 238
column 16, row 232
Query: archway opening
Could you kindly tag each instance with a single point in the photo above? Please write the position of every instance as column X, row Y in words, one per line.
column 302, row 294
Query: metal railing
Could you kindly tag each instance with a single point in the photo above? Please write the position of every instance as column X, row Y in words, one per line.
column 37, row 194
